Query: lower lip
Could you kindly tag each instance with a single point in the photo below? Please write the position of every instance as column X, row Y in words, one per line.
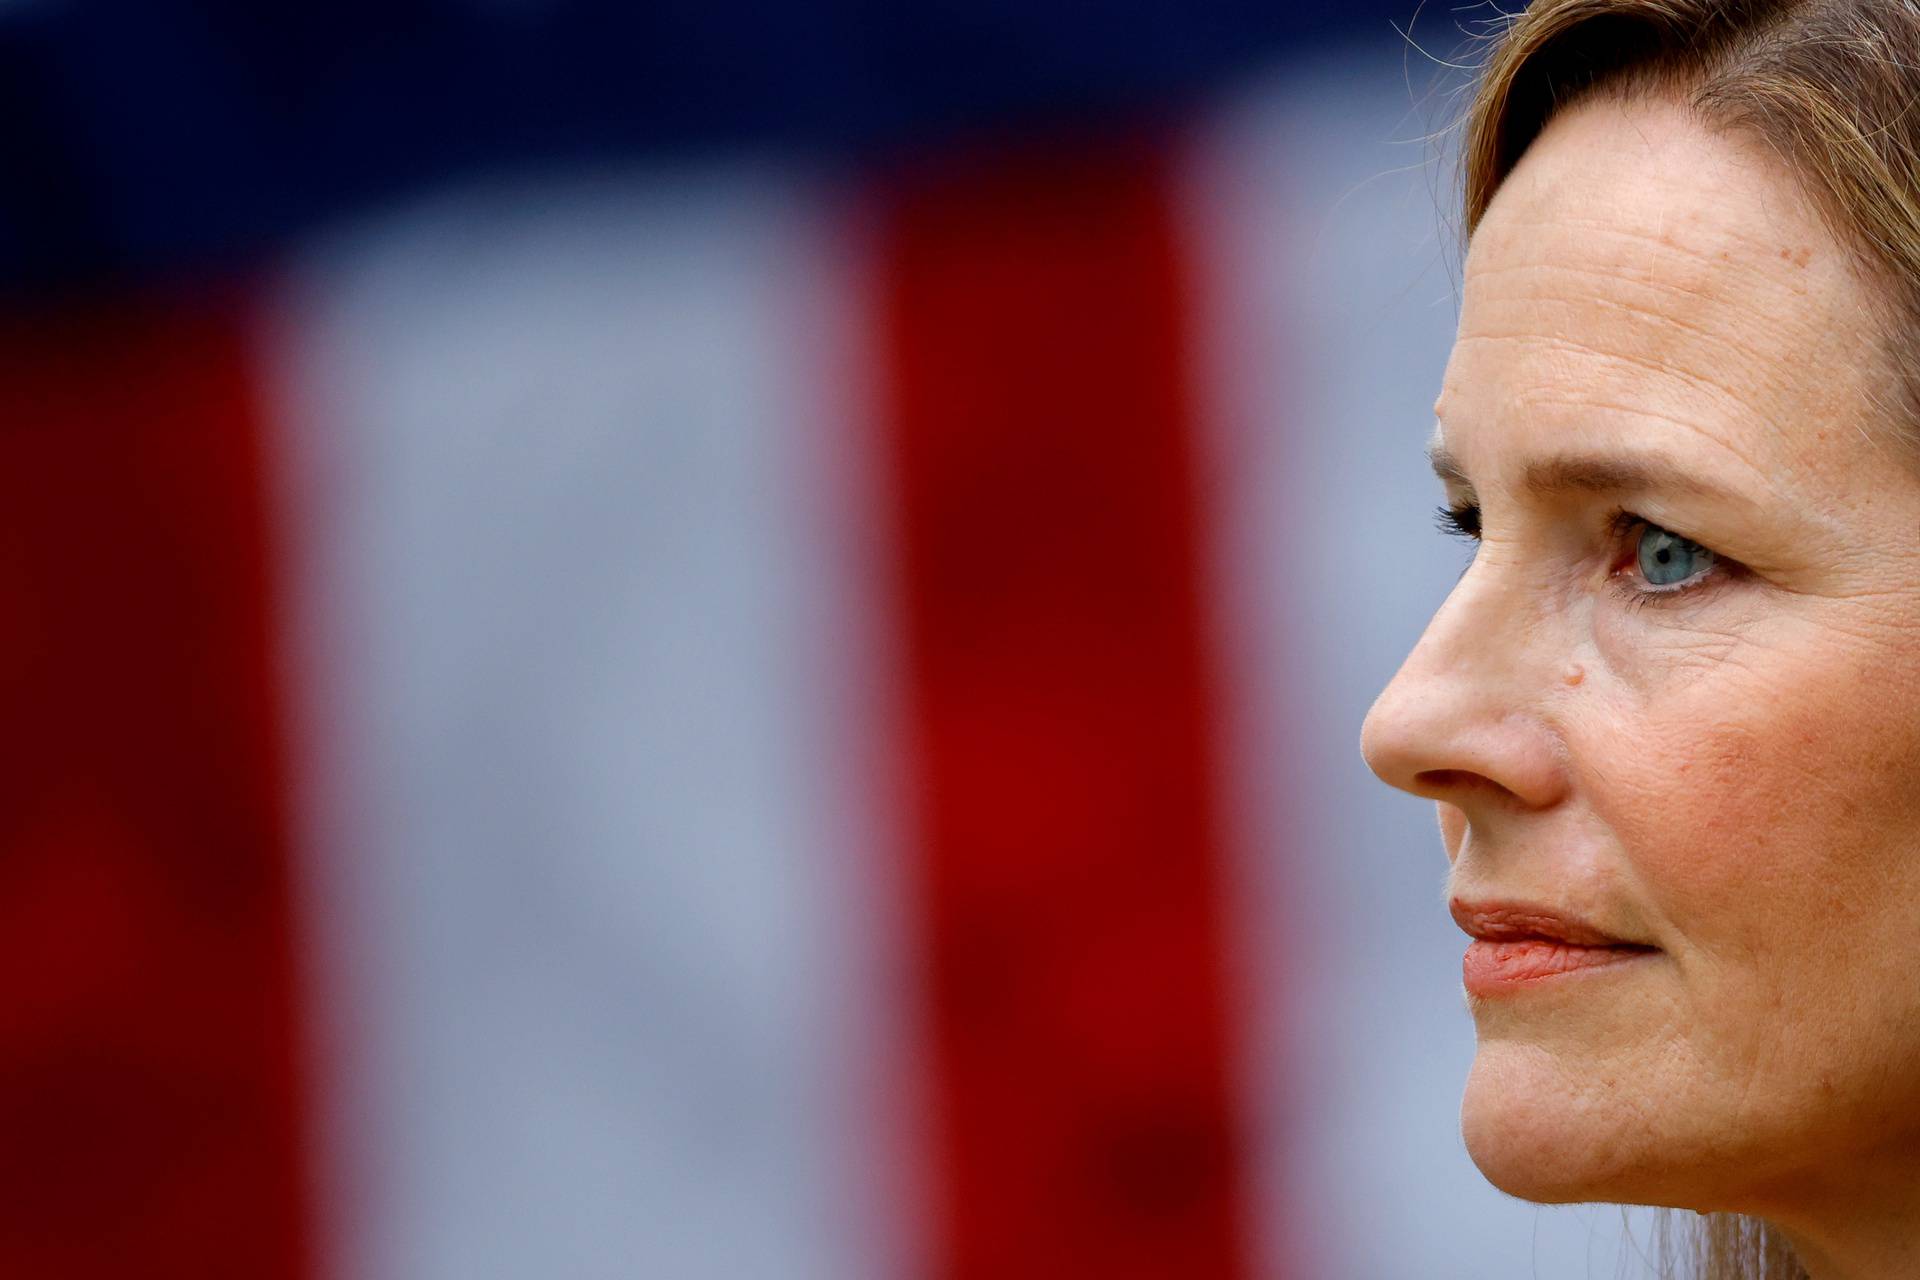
column 1505, row 968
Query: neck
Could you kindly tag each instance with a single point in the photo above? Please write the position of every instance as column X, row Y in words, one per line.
column 1863, row 1225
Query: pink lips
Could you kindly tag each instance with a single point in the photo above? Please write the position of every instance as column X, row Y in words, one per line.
column 1517, row 947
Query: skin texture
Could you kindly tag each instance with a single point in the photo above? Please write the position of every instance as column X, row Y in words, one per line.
column 1730, row 772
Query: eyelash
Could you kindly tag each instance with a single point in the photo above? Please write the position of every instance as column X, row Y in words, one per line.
column 1464, row 522
column 1459, row 522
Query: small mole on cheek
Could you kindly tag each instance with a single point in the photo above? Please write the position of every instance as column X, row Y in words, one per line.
column 1574, row 675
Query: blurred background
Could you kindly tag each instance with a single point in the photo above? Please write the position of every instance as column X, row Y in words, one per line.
column 726, row 640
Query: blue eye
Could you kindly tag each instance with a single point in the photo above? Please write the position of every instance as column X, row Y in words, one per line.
column 1667, row 559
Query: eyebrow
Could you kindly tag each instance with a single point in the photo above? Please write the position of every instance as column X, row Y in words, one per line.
column 1585, row 473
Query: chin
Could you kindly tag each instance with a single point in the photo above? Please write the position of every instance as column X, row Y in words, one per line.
column 1545, row 1131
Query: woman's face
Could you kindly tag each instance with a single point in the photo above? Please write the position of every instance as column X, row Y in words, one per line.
column 1675, row 699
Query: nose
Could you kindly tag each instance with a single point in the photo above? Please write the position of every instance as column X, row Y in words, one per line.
column 1464, row 720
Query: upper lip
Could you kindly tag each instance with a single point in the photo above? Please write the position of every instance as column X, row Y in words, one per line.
column 1502, row 921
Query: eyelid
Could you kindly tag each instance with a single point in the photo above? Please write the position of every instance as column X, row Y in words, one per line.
column 1461, row 519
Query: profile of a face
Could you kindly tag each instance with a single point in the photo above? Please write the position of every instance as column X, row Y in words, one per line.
column 1671, row 712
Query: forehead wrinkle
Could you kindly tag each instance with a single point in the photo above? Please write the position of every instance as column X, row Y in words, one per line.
column 1712, row 387
column 1730, row 241
column 1716, row 267
column 1680, row 323
column 1700, row 219
column 1646, row 300
column 1586, row 404
column 1645, row 459
column 1747, row 314
column 1726, row 360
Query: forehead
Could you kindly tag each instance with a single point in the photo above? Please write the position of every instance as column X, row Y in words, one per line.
column 1641, row 277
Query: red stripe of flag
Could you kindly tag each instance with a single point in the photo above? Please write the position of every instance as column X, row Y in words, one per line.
column 1036, row 322
column 148, row 1071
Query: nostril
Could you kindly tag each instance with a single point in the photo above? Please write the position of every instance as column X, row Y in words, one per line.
column 1439, row 784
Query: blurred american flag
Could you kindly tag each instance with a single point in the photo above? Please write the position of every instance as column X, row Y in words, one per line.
column 708, row 641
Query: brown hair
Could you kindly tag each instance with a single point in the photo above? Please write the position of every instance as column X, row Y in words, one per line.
column 1833, row 86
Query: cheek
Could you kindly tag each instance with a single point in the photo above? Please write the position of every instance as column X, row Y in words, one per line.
column 1764, row 803
column 1701, row 804
column 1759, row 813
